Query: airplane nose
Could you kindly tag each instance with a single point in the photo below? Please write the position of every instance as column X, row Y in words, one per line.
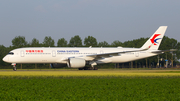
column 5, row 59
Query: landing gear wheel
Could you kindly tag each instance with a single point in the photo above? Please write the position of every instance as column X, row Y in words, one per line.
column 95, row 68
column 14, row 68
column 90, row 68
column 85, row 68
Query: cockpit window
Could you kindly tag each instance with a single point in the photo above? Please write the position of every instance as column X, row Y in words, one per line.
column 10, row 53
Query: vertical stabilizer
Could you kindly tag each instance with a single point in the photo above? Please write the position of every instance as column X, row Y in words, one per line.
column 155, row 40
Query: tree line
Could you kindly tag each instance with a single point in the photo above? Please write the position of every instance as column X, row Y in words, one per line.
column 76, row 41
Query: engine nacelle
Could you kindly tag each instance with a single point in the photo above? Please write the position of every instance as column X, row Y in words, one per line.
column 76, row 63
column 58, row 65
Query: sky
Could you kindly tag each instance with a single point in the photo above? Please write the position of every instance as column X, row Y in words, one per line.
column 106, row 20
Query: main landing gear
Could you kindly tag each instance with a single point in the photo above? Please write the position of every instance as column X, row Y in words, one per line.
column 14, row 66
column 92, row 63
column 88, row 68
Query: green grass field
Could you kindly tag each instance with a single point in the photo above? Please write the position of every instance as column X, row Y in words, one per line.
column 106, row 85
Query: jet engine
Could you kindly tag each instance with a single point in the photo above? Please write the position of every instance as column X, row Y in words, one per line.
column 57, row 65
column 76, row 63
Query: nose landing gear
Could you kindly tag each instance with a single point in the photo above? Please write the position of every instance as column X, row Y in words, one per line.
column 14, row 66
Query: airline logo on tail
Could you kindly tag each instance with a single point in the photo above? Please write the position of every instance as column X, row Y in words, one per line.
column 154, row 40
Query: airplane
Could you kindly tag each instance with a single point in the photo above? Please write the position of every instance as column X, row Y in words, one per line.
column 79, row 57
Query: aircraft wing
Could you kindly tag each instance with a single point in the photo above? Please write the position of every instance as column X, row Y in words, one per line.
column 162, row 51
column 113, row 53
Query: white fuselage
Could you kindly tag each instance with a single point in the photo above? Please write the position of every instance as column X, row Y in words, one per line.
column 60, row 55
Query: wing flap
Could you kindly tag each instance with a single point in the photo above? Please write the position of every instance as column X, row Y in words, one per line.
column 162, row 51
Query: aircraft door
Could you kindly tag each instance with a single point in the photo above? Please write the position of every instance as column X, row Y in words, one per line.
column 53, row 53
column 22, row 53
